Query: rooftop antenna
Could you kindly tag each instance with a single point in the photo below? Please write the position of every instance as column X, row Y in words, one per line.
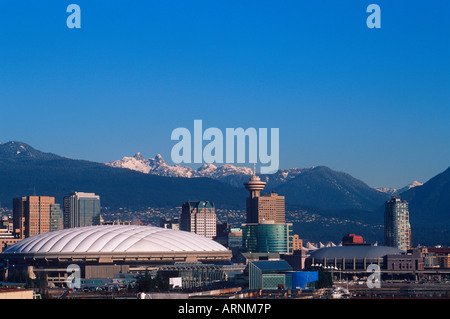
column 254, row 169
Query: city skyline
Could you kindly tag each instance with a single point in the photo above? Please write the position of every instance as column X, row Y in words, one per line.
column 369, row 102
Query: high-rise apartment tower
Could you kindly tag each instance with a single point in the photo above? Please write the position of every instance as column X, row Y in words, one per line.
column 397, row 229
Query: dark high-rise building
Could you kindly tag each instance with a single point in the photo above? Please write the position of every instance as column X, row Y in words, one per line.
column 81, row 209
column 397, row 229
column 199, row 217
column 55, row 217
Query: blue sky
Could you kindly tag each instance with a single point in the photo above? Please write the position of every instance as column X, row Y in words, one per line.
column 371, row 102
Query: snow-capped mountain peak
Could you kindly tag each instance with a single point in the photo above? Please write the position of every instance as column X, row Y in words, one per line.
column 158, row 166
column 234, row 175
column 394, row 191
column 138, row 156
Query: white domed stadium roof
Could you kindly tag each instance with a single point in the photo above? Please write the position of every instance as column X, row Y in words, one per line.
column 115, row 239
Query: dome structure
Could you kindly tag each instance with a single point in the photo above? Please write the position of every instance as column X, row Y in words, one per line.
column 114, row 239
column 116, row 244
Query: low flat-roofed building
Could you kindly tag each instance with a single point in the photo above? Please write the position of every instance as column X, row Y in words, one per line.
column 278, row 274
column 351, row 257
column 16, row 293
column 412, row 260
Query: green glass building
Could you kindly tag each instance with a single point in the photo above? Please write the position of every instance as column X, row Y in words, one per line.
column 267, row 237
column 81, row 209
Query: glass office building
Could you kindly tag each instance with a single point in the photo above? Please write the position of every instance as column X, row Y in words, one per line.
column 267, row 237
column 81, row 209
column 55, row 217
column 397, row 229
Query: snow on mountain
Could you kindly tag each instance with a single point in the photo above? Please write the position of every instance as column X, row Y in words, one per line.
column 158, row 166
column 234, row 175
column 155, row 166
column 394, row 191
column 407, row 187
column 136, row 163
column 387, row 190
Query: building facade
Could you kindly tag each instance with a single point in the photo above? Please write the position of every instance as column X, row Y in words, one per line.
column 265, row 230
column 31, row 215
column 266, row 207
column 199, row 218
column 55, row 217
column 397, row 229
column 81, row 209
column 267, row 237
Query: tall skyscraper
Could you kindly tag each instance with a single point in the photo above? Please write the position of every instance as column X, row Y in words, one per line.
column 81, row 209
column 397, row 229
column 199, row 217
column 55, row 217
column 268, row 207
column 31, row 215
column 265, row 229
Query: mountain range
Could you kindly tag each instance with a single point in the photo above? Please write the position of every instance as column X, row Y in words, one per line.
column 313, row 187
column 26, row 171
column 136, row 183
column 231, row 174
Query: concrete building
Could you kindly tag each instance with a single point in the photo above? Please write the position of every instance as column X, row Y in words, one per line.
column 412, row 260
column 81, row 209
column 199, row 218
column 16, row 293
column 170, row 223
column 31, row 215
column 266, row 207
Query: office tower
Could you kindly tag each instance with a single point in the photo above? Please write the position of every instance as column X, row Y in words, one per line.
column 397, row 230
column 265, row 230
column 267, row 237
column 199, row 217
column 55, row 217
column 31, row 215
column 81, row 209
column 266, row 207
